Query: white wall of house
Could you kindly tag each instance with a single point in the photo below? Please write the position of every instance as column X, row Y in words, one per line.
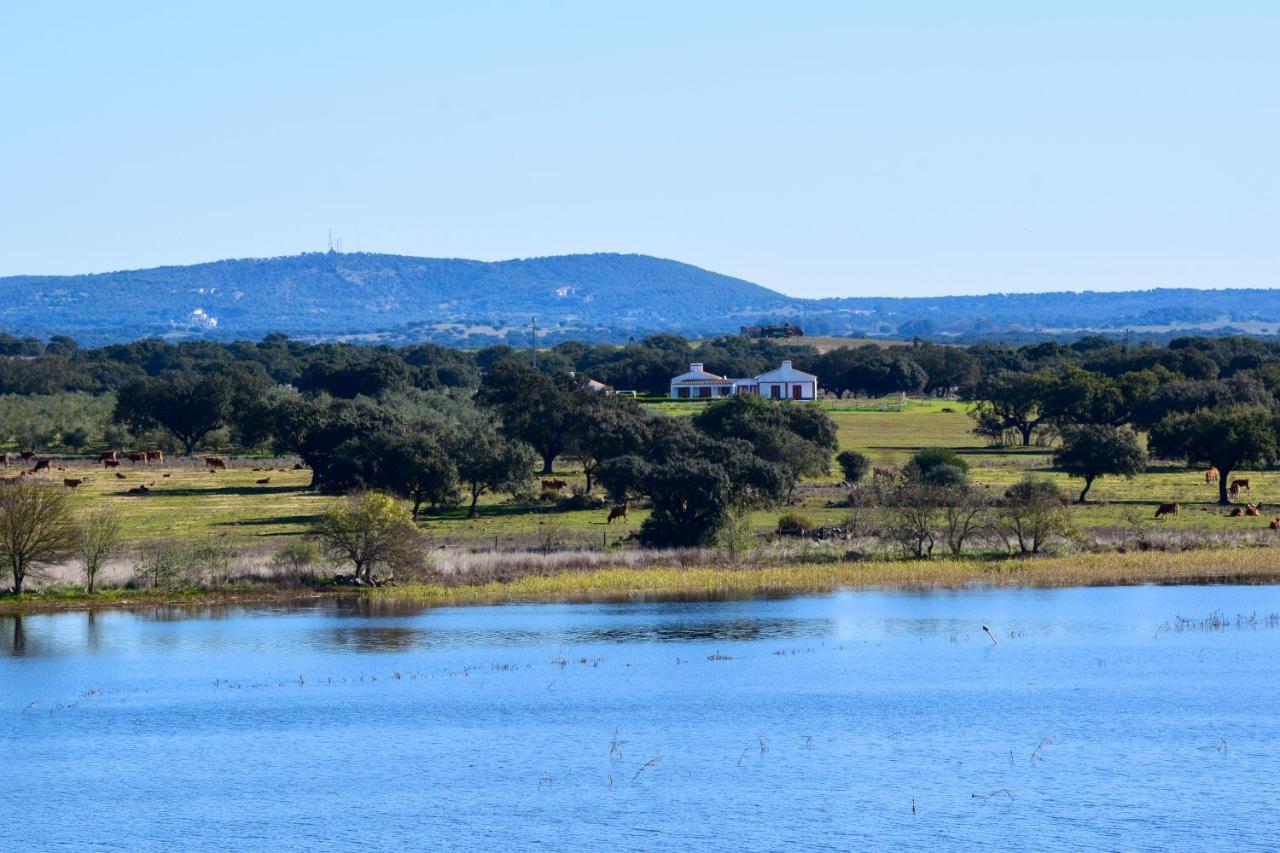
column 785, row 383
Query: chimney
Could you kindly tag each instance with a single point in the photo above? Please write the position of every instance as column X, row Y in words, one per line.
column 786, row 364
column 696, row 367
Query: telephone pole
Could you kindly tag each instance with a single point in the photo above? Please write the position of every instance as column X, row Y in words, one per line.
column 533, row 340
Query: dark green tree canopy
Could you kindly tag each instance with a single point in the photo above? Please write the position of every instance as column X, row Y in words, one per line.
column 1098, row 450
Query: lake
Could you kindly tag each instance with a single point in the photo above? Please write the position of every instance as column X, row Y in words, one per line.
column 860, row 719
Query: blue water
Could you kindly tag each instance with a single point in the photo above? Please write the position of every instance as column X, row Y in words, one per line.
column 802, row 723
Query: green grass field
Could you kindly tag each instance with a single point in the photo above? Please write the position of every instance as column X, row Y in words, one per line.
column 231, row 505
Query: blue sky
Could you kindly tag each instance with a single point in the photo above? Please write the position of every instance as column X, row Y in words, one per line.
column 823, row 149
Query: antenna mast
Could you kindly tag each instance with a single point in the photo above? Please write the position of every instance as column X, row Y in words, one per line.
column 533, row 340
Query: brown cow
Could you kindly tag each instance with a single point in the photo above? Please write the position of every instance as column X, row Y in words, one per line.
column 263, row 481
column 136, row 457
column 553, row 485
column 71, row 483
column 1236, row 512
column 215, row 462
column 4, row 459
column 1252, row 510
column 27, row 455
column 155, row 456
column 109, row 456
column 110, row 463
column 139, row 490
column 1211, row 476
column 877, row 473
column 42, row 465
column 1237, row 485
column 120, row 476
column 1167, row 509
column 619, row 511
column 1275, row 524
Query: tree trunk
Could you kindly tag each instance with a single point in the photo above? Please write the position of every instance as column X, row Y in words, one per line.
column 417, row 503
column 1026, row 434
column 19, row 576
column 1088, row 482
column 547, row 459
column 190, row 444
column 475, row 498
column 1223, row 498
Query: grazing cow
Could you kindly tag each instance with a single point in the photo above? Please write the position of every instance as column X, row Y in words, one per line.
column 1167, row 509
column 155, row 456
column 263, row 481
column 108, row 456
column 1211, row 476
column 619, row 511
column 1237, row 485
column 1275, row 524
column 110, row 463
column 27, row 455
column 41, row 465
column 553, row 485
column 877, row 473
column 213, row 463
column 4, row 459
column 71, row 483
column 136, row 457
column 120, row 476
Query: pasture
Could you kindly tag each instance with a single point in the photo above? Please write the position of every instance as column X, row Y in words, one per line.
column 185, row 501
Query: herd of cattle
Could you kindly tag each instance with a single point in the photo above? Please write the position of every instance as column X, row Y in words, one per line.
column 109, row 460
column 1234, row 488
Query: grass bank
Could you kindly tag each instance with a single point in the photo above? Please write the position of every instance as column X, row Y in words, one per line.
column 1237, row 565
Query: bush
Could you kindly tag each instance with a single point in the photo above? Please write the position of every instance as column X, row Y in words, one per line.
column 931, row 457
column 945, row 476
column 1034, row 514
column 853, row 465
column 295, row 559
column 793, row 524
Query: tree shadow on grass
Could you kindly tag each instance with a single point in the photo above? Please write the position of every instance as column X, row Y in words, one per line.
column 273, row 520
column 157, row 491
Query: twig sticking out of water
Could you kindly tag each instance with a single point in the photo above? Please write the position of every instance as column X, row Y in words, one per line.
column 652, row 762
column 742, row 758
column 615, row 745
column 764, row 747
column 995, row 793
column 991, row 635
column 808, row 741
column 1035, row 753
column 913, row 805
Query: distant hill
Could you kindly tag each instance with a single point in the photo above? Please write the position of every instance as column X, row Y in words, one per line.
column 604, row 297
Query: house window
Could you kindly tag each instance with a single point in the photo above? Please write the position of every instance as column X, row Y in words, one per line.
column 704, row 391
column 682, row 392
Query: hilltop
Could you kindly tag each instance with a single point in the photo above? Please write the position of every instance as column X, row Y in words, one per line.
column 603, row 297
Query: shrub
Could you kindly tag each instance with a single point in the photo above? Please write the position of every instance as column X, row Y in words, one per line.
column 1034, row 514
column 794, row 524
column 945, row 476
column 295, row 559
column 853, row 465
column 930, row 457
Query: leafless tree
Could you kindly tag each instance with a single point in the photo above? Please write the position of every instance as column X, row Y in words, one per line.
column 97, row 541
column 36, row 529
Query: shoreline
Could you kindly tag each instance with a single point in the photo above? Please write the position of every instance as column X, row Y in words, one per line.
column 1252, row 566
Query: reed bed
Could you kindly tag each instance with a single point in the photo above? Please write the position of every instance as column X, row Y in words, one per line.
column 1254, row 565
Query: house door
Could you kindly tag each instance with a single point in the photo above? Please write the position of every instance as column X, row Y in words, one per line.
column 795, row 392
column 682, row 392
column 775, row 391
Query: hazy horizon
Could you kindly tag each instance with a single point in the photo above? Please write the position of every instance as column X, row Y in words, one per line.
column 819, row 149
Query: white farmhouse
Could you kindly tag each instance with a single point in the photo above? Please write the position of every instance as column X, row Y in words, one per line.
column 698, row 383
column 785, row 383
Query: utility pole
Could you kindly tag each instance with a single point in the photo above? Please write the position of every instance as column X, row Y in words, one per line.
column 533, row 340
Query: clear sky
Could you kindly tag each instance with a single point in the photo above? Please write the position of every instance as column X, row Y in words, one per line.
column 819, row 148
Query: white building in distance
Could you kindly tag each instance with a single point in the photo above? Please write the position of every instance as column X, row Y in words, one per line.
column 785, row 383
